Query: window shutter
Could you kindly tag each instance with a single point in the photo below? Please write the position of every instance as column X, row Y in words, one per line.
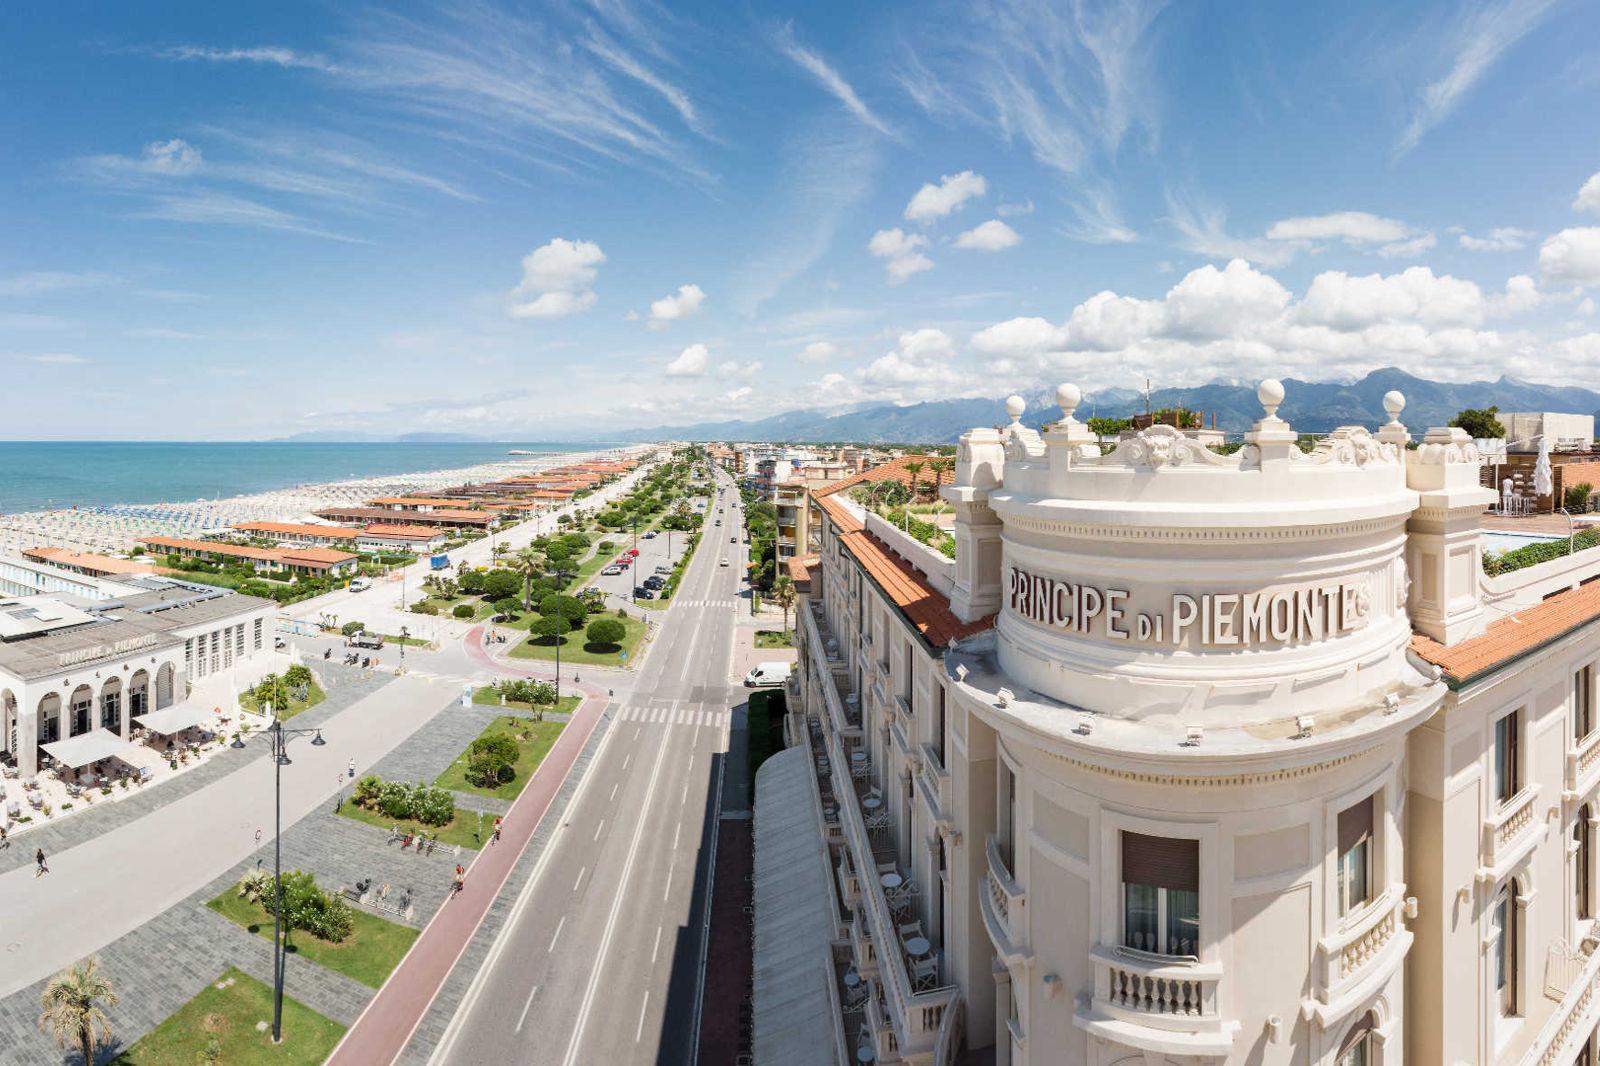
column 1354, row 823
column 1357, row 1031
column 1163, row 862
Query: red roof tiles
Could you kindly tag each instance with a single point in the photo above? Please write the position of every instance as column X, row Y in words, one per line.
column 1514, row 635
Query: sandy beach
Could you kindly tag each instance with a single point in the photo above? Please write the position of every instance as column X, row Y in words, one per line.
column 116, row 528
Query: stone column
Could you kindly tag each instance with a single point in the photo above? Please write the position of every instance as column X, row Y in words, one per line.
column 980, row 463
column 1443, row 551
column 28, row 733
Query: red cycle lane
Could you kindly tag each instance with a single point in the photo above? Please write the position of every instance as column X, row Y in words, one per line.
column 385, row 1026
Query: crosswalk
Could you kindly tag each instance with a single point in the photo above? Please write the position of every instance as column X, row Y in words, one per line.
column 675, row 716
column 708, row 603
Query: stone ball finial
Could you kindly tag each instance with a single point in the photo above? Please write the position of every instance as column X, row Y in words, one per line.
column 1270, row 393
column 1069, row 396
column 1015, row 405
column 1394, row 401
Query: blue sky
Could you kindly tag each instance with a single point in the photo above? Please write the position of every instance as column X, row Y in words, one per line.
column 219, row 221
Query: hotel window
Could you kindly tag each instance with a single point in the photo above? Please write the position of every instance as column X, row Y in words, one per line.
column 1583, row 863
column 188, row 656
column 1357, row 1047
column 1583, row 703
column 1355, row 856
column 1507, row 774
column 1161, row 895
column 938, row 721
column 258, row 635
column 1504, row 919
column 238, row 640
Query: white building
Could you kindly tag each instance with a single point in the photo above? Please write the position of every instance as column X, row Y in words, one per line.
column 1191, row 758
column 83, row 670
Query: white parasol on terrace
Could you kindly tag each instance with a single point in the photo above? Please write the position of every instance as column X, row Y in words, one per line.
column 1543, row 478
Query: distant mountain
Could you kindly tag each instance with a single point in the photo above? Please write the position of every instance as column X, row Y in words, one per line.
column 342, row 436
column 1310, row 406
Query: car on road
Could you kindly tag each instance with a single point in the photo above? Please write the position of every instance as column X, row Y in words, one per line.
column 360, row 584
column 763, row 675
column 650, row 534
column 733, row 540
column 719, row 521
column 364, row 640
column 723, row 563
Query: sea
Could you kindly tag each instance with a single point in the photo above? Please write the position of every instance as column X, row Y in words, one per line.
column 43, row 475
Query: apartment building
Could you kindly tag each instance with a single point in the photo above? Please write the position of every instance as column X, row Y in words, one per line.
column 1187, row 758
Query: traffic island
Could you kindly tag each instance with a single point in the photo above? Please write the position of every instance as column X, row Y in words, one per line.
column 231, row 1021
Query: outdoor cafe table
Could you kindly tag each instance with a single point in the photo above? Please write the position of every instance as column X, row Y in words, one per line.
column 917, row 946
column 872, row 803
column 891, row 880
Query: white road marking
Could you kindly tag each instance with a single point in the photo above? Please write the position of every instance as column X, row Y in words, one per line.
column 614, row 788
column 579, row 881
column 599, row 828
column 637, row 1033
column 657, row 948
column 524, row 1015
column 580, row 1021
column 559, row 926
column 675, row 834
column 629, row 759
column 671, row 868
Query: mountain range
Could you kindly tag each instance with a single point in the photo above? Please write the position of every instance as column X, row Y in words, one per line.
column 1309, row 406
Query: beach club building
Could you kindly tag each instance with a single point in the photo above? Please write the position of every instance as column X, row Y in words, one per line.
column 77, row 676
column 1185, row 758
column 400, row 538
column 442, row 518
column 299, row 534
column 317, row 562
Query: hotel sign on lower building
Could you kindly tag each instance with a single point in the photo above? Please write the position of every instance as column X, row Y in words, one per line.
column 1262, row 618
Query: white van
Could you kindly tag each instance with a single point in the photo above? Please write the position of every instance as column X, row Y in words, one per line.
column 360, row 584
column 768, row 674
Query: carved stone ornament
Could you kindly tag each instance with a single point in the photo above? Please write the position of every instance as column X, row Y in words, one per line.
column 1354, row 446
column 1438, row 454
column 1164, row 446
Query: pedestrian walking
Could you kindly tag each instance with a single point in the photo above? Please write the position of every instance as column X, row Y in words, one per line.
column 351, row 769
column 38, row 857
column 461, row 877
column 496, row 838
column 258, row 838
column 5, row 838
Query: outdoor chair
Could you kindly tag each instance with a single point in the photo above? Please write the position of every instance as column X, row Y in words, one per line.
column 910, row 929
column 925, row 974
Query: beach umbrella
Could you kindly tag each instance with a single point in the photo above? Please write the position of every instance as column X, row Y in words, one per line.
column 1543, row 479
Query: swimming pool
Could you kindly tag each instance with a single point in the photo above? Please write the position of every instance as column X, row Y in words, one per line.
column 1498, row 541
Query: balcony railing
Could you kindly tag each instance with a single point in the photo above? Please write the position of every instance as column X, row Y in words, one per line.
column 1509, row 833
column 1583, row 766
column 844, row 716
column 1571, row 1022
column 1156, row 1003
column 1350, row 961
column 1004, row 906
column 938, row 789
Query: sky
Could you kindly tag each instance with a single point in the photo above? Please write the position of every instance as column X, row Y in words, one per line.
column 248, row 221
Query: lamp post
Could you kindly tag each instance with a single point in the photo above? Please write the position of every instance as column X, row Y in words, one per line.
column 277, row 738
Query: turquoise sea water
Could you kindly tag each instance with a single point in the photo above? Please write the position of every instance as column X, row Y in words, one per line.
column 41, row 475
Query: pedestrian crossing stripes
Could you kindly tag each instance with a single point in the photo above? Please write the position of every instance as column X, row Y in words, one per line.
column 708, row 603
column 674, row 716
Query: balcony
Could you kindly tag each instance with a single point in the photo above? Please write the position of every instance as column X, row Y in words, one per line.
column 1166, row 1005
column 1583, row 767
column 915, row 997
column 1360, row 957
column 1004, row 905
column 843, row 709
column 938, row 789
column 1559, row 1039
column 1509, row 834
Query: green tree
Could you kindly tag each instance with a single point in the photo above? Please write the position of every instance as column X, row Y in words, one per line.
column 784, row 595
column 471, row 582
column 1480, row 423
column 463, row 610
column 1108, row 427
column 530, row 564
column 915, row 470
column 350, row 629
column 570, row 607
column 498, row 584
column 607, row 631
column 72, row 1002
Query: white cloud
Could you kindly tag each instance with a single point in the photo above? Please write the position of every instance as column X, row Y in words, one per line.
column 1409, row 249
column 739, row 395
column 1572, row 256
column 277, row 57
column 690, row 363
column 1025, row 207
column 1345, row 302
column 1500, row 239
column 175, row 157
column 681, row 304
column 50, row 282
column 991, row 236
column 951, row 194
column 1521, row 295
column 1202, row 228
column 557, row 279
column 1588, row 198
column 1586, row 306
column 902, row 252
column 817, row 352
column 921, row 366
column 735, row 369
column 57, row 359
column 1019, row 337
column 165, row 333
column 1352, row 227
column 1484, row 32
column 830, row 79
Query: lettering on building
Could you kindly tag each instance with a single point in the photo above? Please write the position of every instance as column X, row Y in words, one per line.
column 1214, row 620
column 98, row 651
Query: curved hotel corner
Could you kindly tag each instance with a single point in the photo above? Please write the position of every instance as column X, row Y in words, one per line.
column 1188, row 758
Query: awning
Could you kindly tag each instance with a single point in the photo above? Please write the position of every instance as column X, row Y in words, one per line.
column 795, row 1022
column 175, row 719
column 86, row 748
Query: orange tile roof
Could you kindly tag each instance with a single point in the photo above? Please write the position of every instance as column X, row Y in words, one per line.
column 329, row 556
column 379, row 529
column 215, row 547
column 894, row 470
column 434, row 500
column 923, row 605
column 300, row 528
column 105, row 564
column 1512, row 636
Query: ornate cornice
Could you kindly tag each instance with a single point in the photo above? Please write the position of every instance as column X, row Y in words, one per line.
column 1213, row 535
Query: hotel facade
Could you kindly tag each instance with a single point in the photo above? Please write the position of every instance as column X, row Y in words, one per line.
column 1186, row 758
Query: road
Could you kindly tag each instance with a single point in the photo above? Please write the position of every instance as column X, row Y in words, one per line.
column 600, row 959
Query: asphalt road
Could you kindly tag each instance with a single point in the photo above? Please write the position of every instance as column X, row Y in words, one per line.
column 600, row 959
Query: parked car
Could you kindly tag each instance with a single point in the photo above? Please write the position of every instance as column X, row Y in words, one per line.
column 719, row 521
column 613, row 570
column 767, row 674
column 642, row 593
column 650, row 535
column 653, row 582
column 632, row 553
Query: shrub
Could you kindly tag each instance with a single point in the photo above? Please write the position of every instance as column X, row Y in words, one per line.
column 497, row 744
column 366, row 790
column 433, row 806
column 394, row 799
column 423, row 607
column 420, row 802
column 606, row 631
column 305, row 906
column 350, row 629
column 298, row 675
column 462, row 610
column 1576, row 497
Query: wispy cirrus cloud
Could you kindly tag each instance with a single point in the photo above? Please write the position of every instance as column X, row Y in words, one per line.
column 51, row 282
column 1481, row 34
column 830, row 79
column 268, row 54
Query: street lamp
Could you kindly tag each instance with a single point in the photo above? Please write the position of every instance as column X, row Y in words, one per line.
column 278, row 738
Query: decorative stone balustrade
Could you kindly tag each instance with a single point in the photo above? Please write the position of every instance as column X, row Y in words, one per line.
column 1509, row 833
column 1004, row 906
column 1158, row 1004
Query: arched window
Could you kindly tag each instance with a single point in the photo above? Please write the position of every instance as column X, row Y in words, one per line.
column 1356, row 1050
column 1506, row 920
column 1582, row 864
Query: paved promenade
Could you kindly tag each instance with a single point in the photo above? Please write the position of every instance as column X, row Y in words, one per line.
column 128, row 877
column 387, row 1024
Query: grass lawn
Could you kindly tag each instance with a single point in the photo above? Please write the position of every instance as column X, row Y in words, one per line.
column 575, row 651
column 410, row 642
column 541, row 735
column 291, row 706
column 480, row 608
column 462, row 829
column 227, row 1016
column 489, row 696
column 774, row 638
column 373, row 948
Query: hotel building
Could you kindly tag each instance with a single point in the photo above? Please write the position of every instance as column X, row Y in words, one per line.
column 1186, row 758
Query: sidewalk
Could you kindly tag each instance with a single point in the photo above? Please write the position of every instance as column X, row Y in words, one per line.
column 384, row 1028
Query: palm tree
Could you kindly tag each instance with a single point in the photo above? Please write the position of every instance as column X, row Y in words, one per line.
column 941, row 467
column 784, row 595
column 531, row 564
column 914, row 469
column 72, row 1013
